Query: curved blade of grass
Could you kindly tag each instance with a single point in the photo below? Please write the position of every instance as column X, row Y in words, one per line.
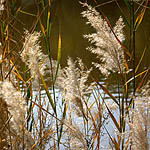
column 141, row 82
column 48, row 94
column 46, row 40
column 132, row 99
column 130, row 105
column 95, row 119
column 61, row 128
column 140, row 16
column 127, row 144
column 107, row 92
column 26, row 13
column 29, row 79
column 48, row 24
column 43, row 30
column 17, row 72
column 139, row 20
column 125, row 63
column 136, row 76
column 58, row 57
column 138, row 8
column 137, row 67
column 113, row 118
column 95, row 128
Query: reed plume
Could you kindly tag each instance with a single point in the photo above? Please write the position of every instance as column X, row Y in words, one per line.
column 140, row 128
column 72, row 82
column 16, row 105
column 1, row 5
column 77, row 138
column 32, row 55
column 105, row 45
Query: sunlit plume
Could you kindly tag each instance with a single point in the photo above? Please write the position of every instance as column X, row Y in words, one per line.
column 17, row 108
column 140, row 128
column 2, row 5
column 16, row 104
column 72, row 82
column 105, row 44
column 32, row 54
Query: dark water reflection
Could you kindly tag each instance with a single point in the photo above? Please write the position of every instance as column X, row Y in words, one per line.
column 67, row 19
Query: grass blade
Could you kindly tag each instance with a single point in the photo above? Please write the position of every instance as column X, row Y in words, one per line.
column 137, row 67
column 61, row 128
column 140, row 17
column 48, row 94
column 137, row 76
column 17, row 72
column 107, row 92
column 58, row 57
column 113, row 118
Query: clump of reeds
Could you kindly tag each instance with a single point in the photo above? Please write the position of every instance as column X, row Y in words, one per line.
column 73, row 118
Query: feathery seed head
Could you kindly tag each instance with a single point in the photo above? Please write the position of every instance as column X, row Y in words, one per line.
column 140, row 128
column 32, row 54
column 16, row 104
column 77, row 138
column 72, row 82
column 106, row 46
column 2, row 5
column 17, row 108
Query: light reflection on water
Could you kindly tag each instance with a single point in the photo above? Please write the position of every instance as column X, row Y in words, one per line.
column 109, row 125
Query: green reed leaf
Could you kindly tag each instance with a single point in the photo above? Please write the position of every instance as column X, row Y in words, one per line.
column 48, row 24
column 127, row 3
column 107, row 92
column 137, row 67
column 113, row 118
column 58, row 57
column 61, row 128
column 48, row 94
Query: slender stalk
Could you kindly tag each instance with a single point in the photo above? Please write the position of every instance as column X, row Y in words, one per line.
column 132, row 44
column 134, row 86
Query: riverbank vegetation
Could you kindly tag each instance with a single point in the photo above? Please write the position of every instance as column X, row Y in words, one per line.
column 46, row 106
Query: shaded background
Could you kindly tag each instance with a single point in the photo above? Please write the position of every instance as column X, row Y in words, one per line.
column 67, row 19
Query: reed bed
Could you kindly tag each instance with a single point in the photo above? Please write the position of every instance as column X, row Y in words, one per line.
column 44, row 106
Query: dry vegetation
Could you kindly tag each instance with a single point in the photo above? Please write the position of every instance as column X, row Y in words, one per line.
column 44, row 106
